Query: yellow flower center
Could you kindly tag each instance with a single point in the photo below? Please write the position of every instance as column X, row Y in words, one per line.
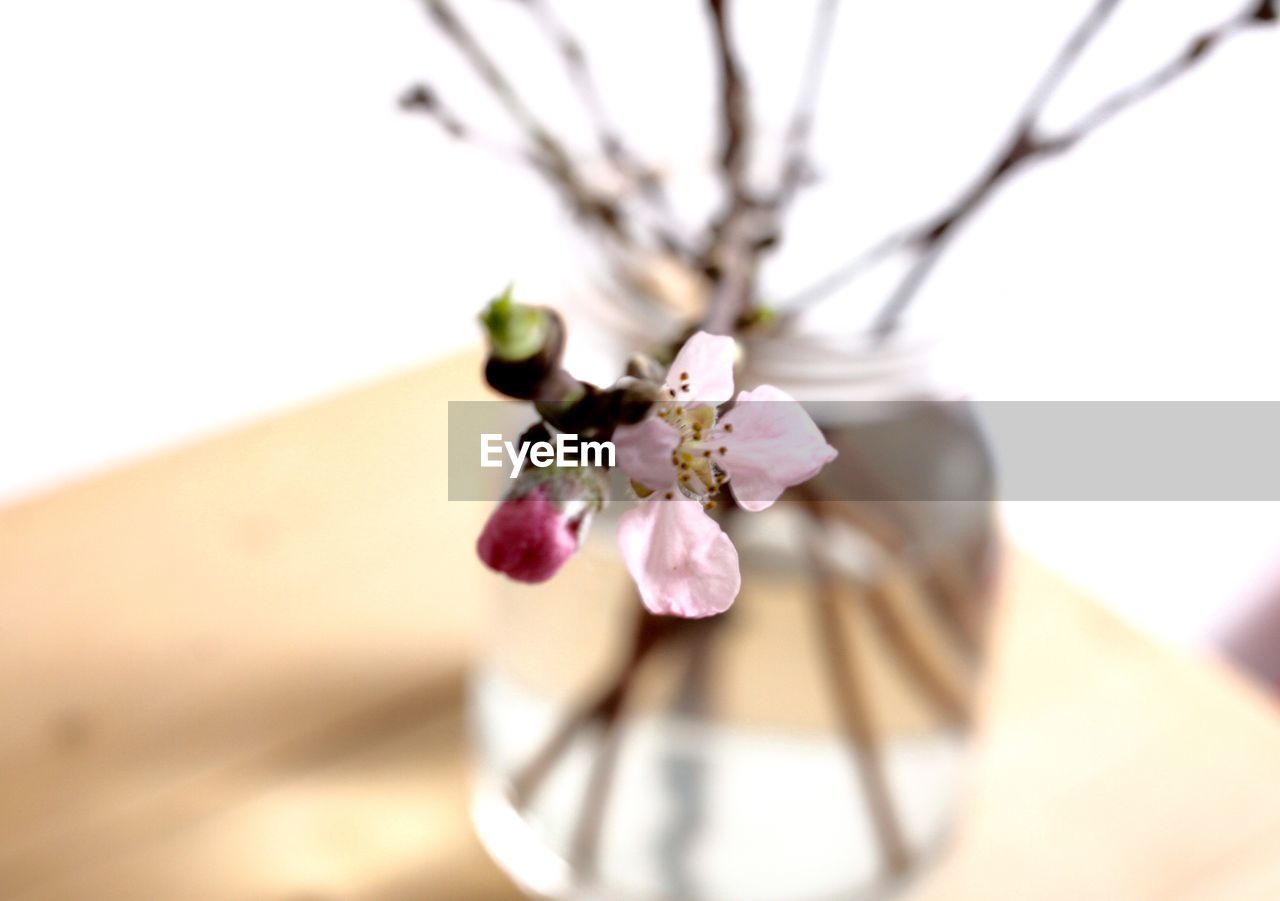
column 694, row 458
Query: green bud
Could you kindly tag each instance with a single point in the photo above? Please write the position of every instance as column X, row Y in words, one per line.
column 515, row 331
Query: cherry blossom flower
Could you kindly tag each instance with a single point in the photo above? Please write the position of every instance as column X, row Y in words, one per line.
column 681, row 457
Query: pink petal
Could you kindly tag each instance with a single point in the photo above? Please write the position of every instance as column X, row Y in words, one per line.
column 681, row 560
column 705, row 364
column 644, row 452
column 773, row 445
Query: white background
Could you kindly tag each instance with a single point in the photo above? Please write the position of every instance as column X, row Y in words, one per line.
column 210, row 211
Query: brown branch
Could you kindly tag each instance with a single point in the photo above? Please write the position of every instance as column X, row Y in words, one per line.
column 734, row 261
column 624, row 159
column 855, row 717
column 574, row 58
column 908, row 645
column 796, row 167
column 453, row 28
column 423, row 99
column 585, row 844
column 913, row 659
column 1063, row 62
column 742, row 231
column 1195, row 51
column 946, row 598
column 1027, row 146
column 581, row 78
column 734, row 115
column 552, row 159
column 837, row 279
column 929, row 238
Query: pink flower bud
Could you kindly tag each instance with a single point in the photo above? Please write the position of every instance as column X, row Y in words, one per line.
column 530, row 536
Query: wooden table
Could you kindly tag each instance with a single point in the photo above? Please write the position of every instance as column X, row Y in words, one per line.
column 234, row 671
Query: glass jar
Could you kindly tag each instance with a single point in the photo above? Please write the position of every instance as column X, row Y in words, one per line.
column 811, row 742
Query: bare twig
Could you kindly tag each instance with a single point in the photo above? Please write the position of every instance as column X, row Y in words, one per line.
column 932, row 238
column 929, row 237
column 910, row 652
column 426, row 100
column 743, row 229
column 833, row 281
column 615, row 149
column 453, row 28
column 749, row 225
column 795, row 166
column 909, row 646
column 1063, row 62
column 912, row 657
column 736, row 260
column 550, row 154
column 575, row 62
column 1192, row 53
column 735, row 120
column 574, row 58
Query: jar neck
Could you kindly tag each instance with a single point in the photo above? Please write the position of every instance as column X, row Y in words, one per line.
column 813, row 367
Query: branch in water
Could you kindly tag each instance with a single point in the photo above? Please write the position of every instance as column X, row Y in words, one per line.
column 853, row 709
column 649, row 633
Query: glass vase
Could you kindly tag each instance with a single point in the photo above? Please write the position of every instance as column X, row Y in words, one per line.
column 813, row 741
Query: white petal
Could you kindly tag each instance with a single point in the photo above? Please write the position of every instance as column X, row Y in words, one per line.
column 644, row 452
column 681, row 560
column 705, row 364
column 771, row 444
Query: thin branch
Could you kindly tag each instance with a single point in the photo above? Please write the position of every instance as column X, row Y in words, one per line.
column 584, row 849
column 453, row 28
column 735, row 259
column 423, row 99
column 743, row 230
column 796, row 167
column 553, row 159
column 1027, row 146
column 929, row 237
column 913, row 658
column 947, row 598
column 734, row 116
column 887, row 318
column 582, row 79
column 910, row 649
column 933, row 236
column 661, row 220
column 834, row 281
column 1195, row 51
column 1063, row 63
